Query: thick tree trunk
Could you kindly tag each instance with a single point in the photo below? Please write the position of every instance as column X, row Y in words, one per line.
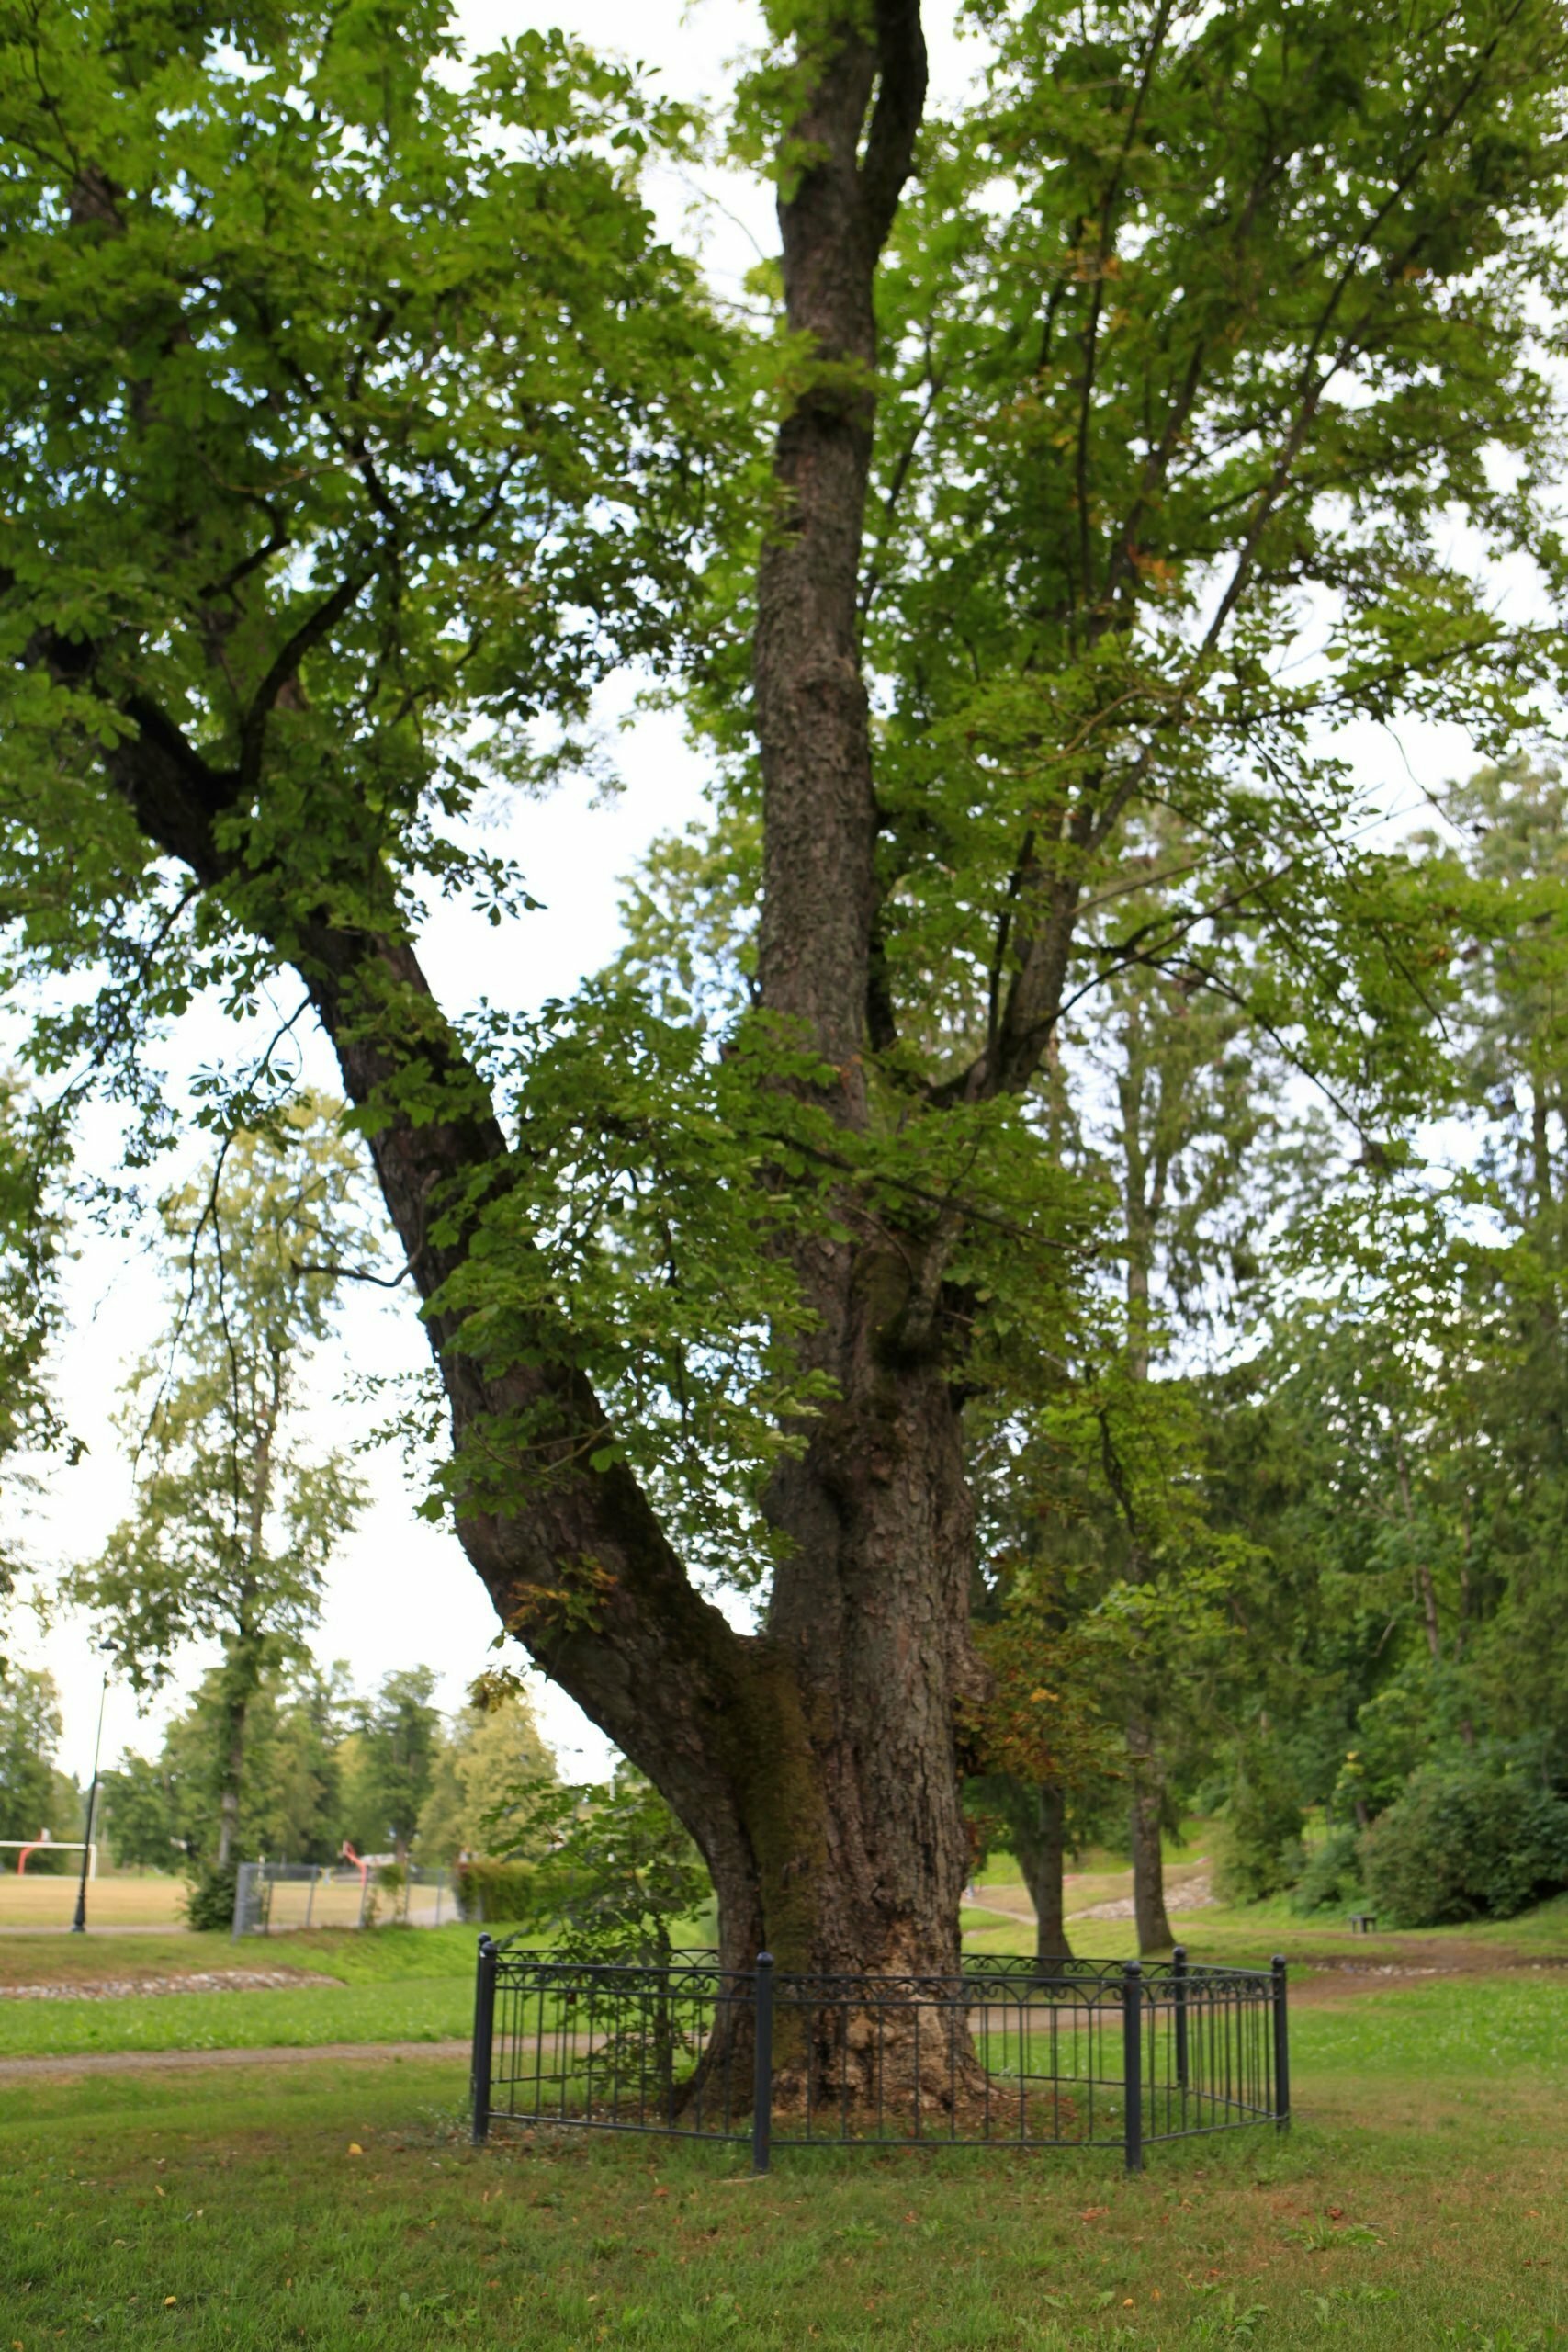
column 1153, row 1929
column 1040, row 1843
column 868, row 1615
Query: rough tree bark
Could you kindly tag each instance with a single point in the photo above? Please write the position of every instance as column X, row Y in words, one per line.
column 868, row 1616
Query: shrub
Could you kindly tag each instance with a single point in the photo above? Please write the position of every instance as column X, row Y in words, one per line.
column 1331, row 1880
column 209, row 1896
column 616, row 1874
column 494, row 1893
column 1481, row 1839
column 1262, row 1840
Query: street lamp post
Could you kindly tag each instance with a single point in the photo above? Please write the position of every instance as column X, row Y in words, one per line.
column 79, row 1924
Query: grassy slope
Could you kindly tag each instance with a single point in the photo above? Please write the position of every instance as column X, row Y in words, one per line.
column 1422, row 2201
column 399, row 1984
column 391, row 1954
column 419, row 2011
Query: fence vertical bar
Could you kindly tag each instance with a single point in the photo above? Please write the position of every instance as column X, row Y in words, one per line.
column 484, row 2037
column 1132, row 2062
column 1178, row 2011
column 763, row 2075
column 1281, row 2048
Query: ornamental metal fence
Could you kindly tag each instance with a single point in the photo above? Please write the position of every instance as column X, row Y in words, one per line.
column 270, row 1898
column 1016, row 2053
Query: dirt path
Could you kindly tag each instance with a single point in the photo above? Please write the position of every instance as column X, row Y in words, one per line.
column 54, row 2068
column 1187, row 1888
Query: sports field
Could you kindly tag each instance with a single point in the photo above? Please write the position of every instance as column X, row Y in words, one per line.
column 133, row 1901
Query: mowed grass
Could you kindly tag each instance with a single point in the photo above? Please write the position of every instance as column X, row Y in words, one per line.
column 393, row 1984
column 36, row 1900
column 1421, row 2199
column 380, row 1956
column 414, row 2011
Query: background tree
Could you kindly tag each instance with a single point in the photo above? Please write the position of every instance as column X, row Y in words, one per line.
column 142, row 1811
column 236, row 1517
column 494, row 1746
column 291, row 1803
column 32, row 1244
column 1042, row 1739
column 1191, row 1092
column 1173, row 332
column 34, row 1794
column 389, row 1764
column 1394, row 1443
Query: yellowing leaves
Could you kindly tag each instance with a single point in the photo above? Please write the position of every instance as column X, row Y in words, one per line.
column 1157, row 570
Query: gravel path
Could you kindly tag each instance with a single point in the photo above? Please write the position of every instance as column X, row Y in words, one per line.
column 199, row 1980
column 158, row 2062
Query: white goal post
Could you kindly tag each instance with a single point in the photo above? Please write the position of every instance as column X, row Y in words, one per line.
column 23, row 1847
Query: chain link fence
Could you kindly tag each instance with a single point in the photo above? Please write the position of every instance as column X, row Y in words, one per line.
column 273, row 1898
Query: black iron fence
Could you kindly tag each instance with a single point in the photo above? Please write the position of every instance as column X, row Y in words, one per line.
column 1081, row 2054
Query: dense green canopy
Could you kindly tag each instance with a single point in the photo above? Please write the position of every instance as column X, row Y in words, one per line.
column 1180, row 400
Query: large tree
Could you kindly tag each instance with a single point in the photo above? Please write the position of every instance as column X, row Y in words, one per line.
column 345, row 442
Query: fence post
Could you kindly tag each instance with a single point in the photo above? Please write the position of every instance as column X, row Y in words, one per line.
column 1133, row 2061
column 1281, row 2048
column 762, row 2073
column 1179, row 2010
column 242, row 1898
column 311, row 1897
column 484, row 2036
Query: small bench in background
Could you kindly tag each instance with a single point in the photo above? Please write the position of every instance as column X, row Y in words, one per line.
column 1363, row 1923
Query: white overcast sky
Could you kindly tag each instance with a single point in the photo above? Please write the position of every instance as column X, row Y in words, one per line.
column 401, row 1592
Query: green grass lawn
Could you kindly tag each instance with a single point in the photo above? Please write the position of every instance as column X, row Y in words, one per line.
column 397, row 1985
column 1422, row 2200
column 386, row 1955
column 413, row 2010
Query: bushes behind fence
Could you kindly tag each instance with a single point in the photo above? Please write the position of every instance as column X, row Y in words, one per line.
column 495, row 1893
